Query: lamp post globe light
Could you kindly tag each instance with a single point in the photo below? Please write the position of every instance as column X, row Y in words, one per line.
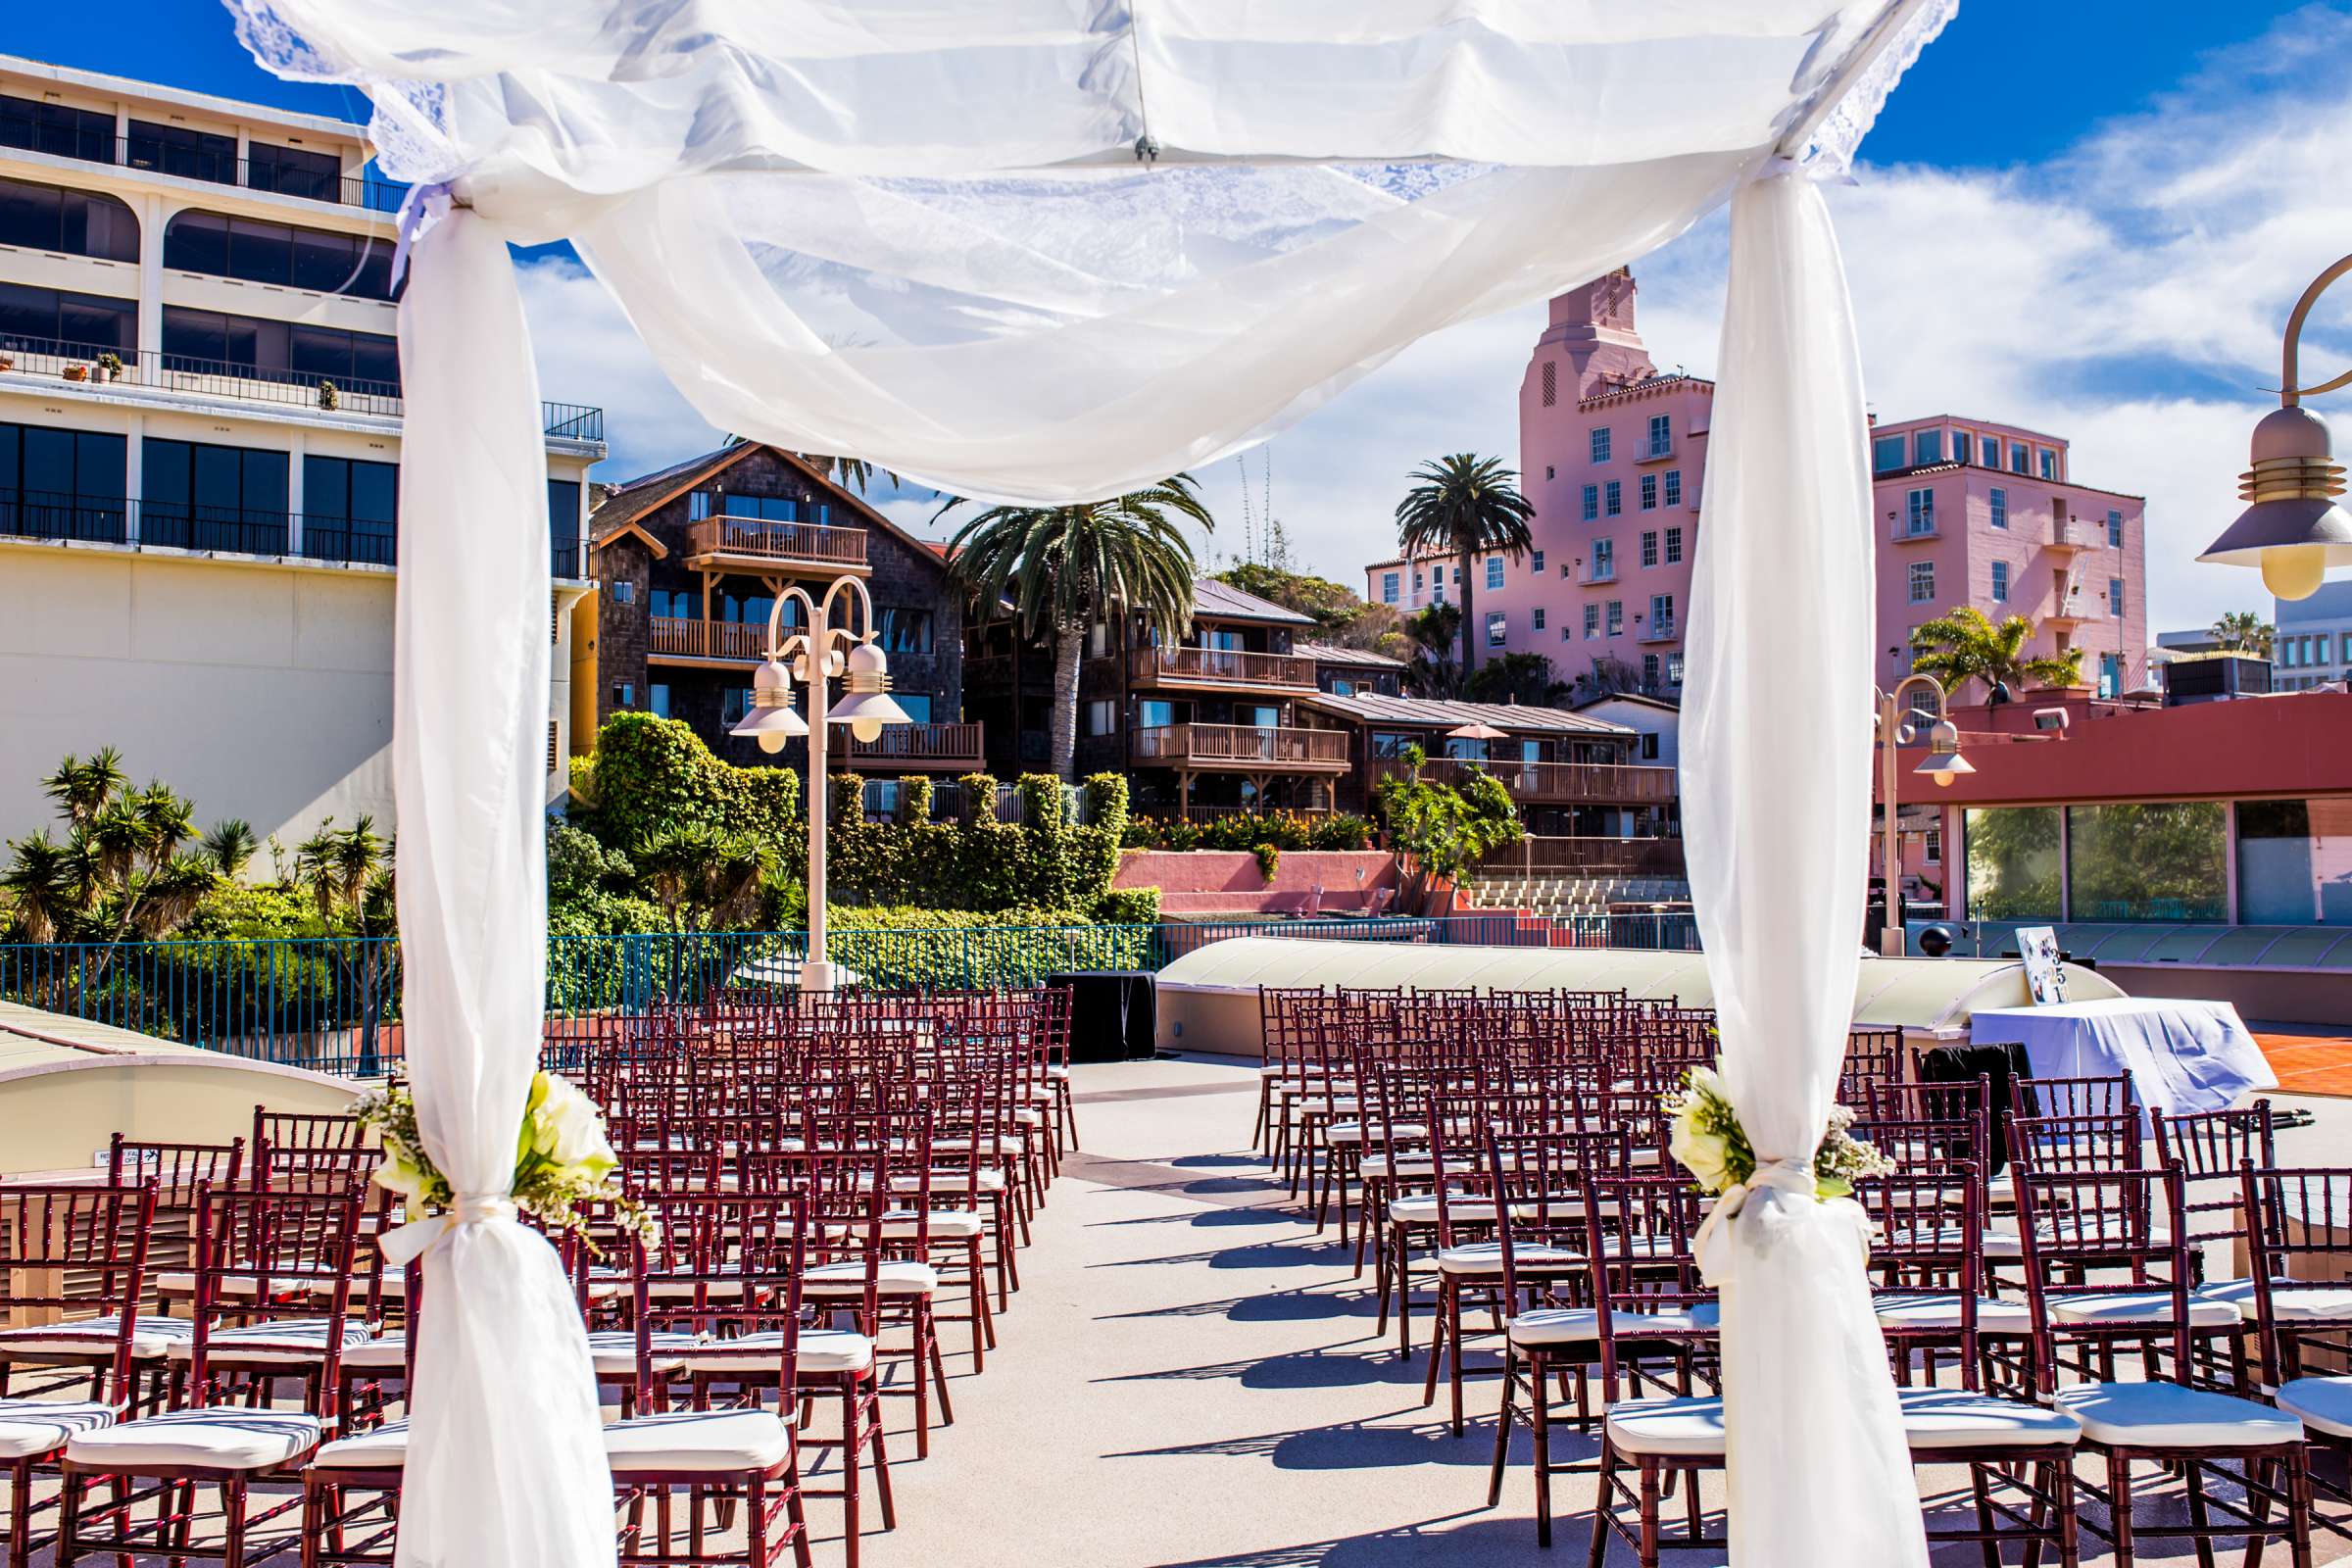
column 1899, row 725
column 2292, row 527
column 816, row 656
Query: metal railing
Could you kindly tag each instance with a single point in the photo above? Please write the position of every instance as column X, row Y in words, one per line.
column 372, row 192
column 1241, row 744
column 226, row 530
column 1229, row 666
column 821, row 541
column 333, row 1003
column 77, row 363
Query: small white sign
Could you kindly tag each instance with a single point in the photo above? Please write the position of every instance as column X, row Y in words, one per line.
column 2045, row 975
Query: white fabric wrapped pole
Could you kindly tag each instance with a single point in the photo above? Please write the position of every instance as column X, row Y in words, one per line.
column 506, row 1462
column 1776, row 808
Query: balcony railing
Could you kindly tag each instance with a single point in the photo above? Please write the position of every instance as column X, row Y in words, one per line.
column 920, row 746
column 373, row 192
column 1241, row 746
column 1561, row 783
column 770, row 539
column 681, row 638
column 1220, row 667
column 76, row 363
column 1663, row 630
column 1585, row 857
column 226, row 530
column 2071, row 536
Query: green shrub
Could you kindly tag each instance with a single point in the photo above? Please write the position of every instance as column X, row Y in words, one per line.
column 1107, row 803
column 1129, row 906
column 979, row 796
column 1246, row 830
column 1446, row 829
column 949, row 949
column 915, row 799
column 1269, row 859
column 652, row 774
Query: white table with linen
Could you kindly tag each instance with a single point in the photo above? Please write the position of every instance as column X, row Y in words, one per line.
column 2182, row 1056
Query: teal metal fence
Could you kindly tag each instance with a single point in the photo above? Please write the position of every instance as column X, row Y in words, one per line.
column 333, row 1003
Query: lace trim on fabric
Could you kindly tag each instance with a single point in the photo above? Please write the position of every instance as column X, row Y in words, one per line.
column 1840, row 135
column 409, row 128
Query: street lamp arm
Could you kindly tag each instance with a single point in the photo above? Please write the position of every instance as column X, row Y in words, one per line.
column 2290, row 393
column 778, row 648
column 1903, row 722
column 865, row 599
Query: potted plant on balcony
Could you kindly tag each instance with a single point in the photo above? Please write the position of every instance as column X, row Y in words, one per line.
column 76, row 372
column 8, row 361
column 109, row 366
column 330, row 397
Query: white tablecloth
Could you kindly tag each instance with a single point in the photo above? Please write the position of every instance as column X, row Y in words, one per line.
column 2181, row 1056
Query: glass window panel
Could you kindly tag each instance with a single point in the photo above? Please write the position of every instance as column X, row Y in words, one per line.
column 2159, row 862
column 49, row 461
column 265, row 487
column 2294, row 863
column 327, row 487
column 324, row 261
column 320, row 351
column 29, row 215
column 101, row 464
column 260, row 252
column 197, row 242
column 917, row 707
column 101, row 227
column 219, row 482
column 2013, row 863
column 165, row 478
column 1152, row 714
column 376, row 361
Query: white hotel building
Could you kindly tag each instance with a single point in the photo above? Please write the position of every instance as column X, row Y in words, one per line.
column 200, row 428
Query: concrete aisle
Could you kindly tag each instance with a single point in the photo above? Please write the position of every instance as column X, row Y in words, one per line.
column 1189, row 1376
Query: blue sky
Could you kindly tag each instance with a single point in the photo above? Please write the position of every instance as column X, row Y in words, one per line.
column 2088, row 218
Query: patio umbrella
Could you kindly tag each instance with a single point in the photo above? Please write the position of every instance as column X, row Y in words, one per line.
column 1477, row 730
column 1044, row 252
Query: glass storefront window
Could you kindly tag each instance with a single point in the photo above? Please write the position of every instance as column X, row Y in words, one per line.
column 2164, row 861
column 2294, row 863
column 2013, row 863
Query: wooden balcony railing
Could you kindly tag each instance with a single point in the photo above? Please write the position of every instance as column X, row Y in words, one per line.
column 1561, row 783
column 1585, row 857
column 1240, row 747
column 706, row 639
column 766, row 539
column 919, row 746
column 1220, row 667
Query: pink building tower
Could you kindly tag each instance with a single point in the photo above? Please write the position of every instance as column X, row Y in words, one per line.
column 1612, row 454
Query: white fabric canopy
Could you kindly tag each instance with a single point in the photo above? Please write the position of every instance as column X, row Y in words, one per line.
column 1046, row 249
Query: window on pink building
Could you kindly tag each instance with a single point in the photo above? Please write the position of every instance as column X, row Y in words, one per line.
column 1613, row 498
column 1673, row 547
column 1674, row 487
column 1650, row 492
column 1600, row 444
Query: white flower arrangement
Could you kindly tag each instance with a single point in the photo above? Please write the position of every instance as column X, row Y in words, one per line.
column 561, row 1157
column 1706, row 1138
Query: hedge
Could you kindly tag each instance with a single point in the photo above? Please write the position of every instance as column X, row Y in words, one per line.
column 1246, row 830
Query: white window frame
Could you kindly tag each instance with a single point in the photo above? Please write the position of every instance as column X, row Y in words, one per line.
column 1921, row 582
column 1599, row 443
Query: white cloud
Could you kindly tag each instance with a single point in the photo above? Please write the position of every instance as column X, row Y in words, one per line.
column 589, row 352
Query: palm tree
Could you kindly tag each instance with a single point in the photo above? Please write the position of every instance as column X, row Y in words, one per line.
column 81, row 790
column 1962, row 645
column 41, row 887
column 1430, row 669
column 1061, row 568
column 704, row 878
column 1464, row 506
column 2243, row 631
column 230, row 846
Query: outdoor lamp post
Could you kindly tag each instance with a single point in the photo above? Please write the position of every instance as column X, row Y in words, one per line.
column 2292, row 527
column 822, row 652
column 1899, row 725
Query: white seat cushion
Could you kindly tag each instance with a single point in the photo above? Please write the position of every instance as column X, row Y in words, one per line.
column 896, row 1276
column 2325, row 1403
column 2108, row 1307
column 1925, row 1311
column 174, row 1283
column 216, row 1438
column 291, row 1341
column 1686, row 1426
column 945, row 1225
column 701, row 1441
column 1061, row 1074
column 674, row 1289
column 150, row 1338
column 988, row 1178
column 29, row 1427
column 824, row 1353
column 1954, row 1418
column 1421, row 1208
column 2292, row 1300
column 385, row 1448
column 1581, row 1325
column 1379, row 1167
column 2162, row 1415
column 614, row 1351
column 1486, row 1258
column 379, row 1357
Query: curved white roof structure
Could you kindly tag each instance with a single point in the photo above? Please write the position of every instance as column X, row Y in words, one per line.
column 1928, row 995
column 68, row 1085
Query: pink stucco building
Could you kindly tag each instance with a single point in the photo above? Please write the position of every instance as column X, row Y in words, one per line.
column 1613, row 453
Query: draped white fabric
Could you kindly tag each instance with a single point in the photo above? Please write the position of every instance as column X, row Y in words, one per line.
column 918, row 232
column 504, row 1464
column 1776, row 745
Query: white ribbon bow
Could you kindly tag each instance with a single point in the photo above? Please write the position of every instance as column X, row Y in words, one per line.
column 403, row 1245
column 1794, row 1177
